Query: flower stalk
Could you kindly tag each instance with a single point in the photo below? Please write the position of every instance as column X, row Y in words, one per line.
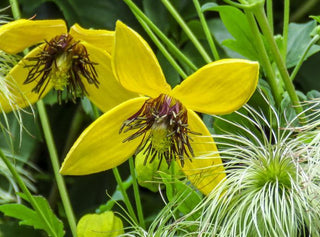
column 302, row 58
column 55, row 165
column 206, row 30
column 136, row 193
column 260, row 15
column 264, row 59
column 187, row 30
column 175, row 51
column 124, row 194
column 161, row 47
column 285, row 28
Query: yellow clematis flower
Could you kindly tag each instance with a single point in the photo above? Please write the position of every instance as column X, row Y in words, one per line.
column 78, row 61
column 163, row 124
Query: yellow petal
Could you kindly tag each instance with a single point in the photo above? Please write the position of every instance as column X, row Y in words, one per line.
column 100, row 38
column 21, row 34
column 109, row 93
column 100, row 147
column 220, row 87
column 135, row 65
column 205, row 171
column 22, row 94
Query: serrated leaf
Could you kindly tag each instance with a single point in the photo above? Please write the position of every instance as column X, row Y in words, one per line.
column 32, row 218
column 298, row 40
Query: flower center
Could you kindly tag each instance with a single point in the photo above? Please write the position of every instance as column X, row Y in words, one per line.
column 62, row 62
column 163, row 123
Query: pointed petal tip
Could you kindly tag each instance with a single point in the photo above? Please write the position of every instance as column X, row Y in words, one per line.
column 220, row 87
column 135, row 64
column 100, row 147
column 20, row 34
column 99, row 38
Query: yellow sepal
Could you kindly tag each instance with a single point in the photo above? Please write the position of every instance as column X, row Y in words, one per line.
column 100, row 146
column 205, row 170
column 135, row 65
column 22, row 94
column 99, row 38
column 21, row 34
column 220, row 87
column 109, row 93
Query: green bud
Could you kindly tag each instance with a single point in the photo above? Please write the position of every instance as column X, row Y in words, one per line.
column 100, row 225
column 148, row 174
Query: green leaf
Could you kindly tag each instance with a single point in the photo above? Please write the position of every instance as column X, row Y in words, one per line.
column 317, row 18
column 12, row 228
column 209, row 6
column 220, row 33
column 187, row 198
column 32, row 218
column 237, row 24
column 313, row 94
column 298, row 39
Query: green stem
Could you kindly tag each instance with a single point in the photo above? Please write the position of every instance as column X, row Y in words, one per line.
column 26, row 191
column 264, row 59
column 303, row 9
column 297, row 67
column 136, row 193
column 285, row 28
column 95, row 111
column 161, row 48
column 187, row 30
column 124, row 194
column 174, row 50
column 264, row 25
column 55, row 165
column 206, row 30
column 270, row 13
column 15, row 9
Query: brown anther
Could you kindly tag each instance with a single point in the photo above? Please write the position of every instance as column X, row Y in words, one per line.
column 163, row 123
column 63, row 62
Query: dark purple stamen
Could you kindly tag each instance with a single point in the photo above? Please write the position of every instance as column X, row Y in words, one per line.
column 163, row 112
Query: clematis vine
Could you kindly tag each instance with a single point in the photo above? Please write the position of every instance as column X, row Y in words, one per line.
column 162, row 124
column 77, row 61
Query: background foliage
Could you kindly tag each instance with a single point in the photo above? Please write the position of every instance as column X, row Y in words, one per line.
column 89, row 192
